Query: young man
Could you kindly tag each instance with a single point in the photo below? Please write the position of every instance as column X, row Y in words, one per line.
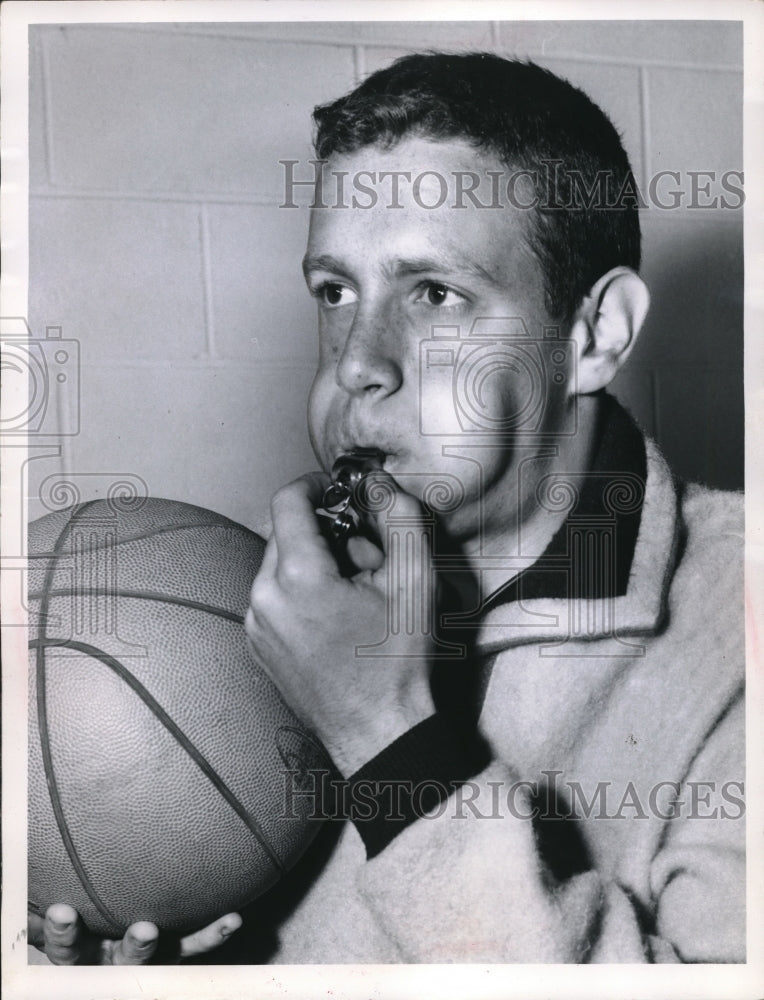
column 528, row 668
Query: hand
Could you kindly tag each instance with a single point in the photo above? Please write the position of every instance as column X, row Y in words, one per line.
column 306, row 621
column 66, row 941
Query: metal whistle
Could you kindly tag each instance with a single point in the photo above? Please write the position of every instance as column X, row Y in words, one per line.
column 347, row 473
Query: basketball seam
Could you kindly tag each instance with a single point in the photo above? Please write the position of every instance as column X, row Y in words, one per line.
column 42, row 726
column 174, row 729
column 41, row 644
column 145, row 595
column 155, row 533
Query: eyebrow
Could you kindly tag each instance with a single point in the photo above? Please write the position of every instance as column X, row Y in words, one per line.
column 321, row 262
column 402, row 266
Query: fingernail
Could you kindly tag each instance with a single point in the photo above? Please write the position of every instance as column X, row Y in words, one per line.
column 143, row 937
column 227, row 929
column 62, row 925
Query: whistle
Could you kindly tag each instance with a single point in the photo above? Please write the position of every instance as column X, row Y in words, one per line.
column 347, row 473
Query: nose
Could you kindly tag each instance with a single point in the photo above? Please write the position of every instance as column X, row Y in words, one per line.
column 371, row 362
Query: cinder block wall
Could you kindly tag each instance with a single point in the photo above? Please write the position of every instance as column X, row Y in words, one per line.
column 157, row 242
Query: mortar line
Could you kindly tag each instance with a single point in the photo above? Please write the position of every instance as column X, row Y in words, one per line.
column 47, row 110
column 359, row 63
column 206, row 259
column 644, row 114
column 396, row 42
column 197, row 198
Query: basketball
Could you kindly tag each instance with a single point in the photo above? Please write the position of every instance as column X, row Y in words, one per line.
column 162, row 761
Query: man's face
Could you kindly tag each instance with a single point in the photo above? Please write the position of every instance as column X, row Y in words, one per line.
column 472, row 408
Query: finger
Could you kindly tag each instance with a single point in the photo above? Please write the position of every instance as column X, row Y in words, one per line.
column 376, row 496
column 210, row 937
column 263, row 583
column 62, row 934
column 270, row 560
column 364, row 554
column 35, row 929
column 384, row 502
column 137, row 946
column 406, row 574
column 302, row 549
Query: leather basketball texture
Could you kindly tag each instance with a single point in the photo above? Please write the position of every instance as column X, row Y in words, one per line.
column 162, row 761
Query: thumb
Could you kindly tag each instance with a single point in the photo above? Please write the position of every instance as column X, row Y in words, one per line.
column 406, row 575
column 388, row 509
column 137, row 946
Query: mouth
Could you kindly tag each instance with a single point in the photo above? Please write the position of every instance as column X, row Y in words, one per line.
column 355, row 464
column 373, row 453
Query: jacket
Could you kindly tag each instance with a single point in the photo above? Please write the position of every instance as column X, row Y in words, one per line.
column 609, row 822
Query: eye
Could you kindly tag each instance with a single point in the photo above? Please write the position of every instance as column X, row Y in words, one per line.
column 332, row 294
column 433, row 293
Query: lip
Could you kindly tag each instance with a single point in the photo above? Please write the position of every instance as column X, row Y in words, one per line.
column 350, row 446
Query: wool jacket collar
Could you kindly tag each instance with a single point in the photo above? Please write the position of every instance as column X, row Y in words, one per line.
column 606, row 572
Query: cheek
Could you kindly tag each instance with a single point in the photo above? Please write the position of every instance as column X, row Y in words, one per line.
column 319, row 406
column 480, row 395
column 434, row 394
column 333, row 329
column 329, row 351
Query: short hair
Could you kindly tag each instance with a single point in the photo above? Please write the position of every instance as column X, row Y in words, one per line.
column 529, row 118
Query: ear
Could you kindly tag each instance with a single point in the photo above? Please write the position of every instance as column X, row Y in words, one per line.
column 606, row 325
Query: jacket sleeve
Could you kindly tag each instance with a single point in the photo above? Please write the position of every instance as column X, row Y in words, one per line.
column 467, row 883
column 698, row 877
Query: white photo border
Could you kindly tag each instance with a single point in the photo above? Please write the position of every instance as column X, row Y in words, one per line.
column 367, row 981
